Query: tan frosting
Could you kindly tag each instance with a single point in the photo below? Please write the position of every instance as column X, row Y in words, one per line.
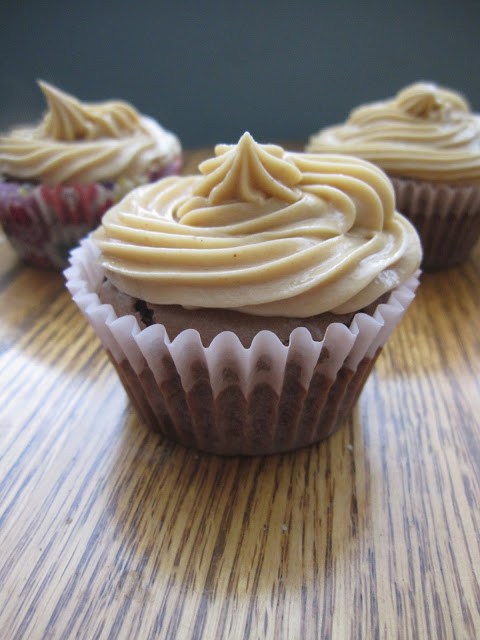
column 84, row 143
column 262, row 231
column 425, row 132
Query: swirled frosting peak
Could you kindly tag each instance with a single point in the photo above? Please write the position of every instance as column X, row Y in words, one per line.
column 83, row 143
column 70, row 119
column 244, row 173
column 425, row 132
column 248, row 172
column 426, row 100
column 262, row 231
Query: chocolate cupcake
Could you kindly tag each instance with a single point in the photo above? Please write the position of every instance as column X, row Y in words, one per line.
column 428, row 141
column 58, row 178
column 243, row 308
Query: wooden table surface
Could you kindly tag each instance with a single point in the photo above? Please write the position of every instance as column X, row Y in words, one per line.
column 107, row 531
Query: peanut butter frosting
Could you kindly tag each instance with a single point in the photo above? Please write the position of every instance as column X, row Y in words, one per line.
column 426, row 132
column 262, row 231
column 86, row 143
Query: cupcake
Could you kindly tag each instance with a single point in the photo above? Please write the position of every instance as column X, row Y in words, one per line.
column 244, row 307
column 58, row 178
column 428, row 141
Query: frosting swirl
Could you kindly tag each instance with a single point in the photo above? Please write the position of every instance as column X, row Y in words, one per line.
column 263, row 231
column 426, row 132
column 83, row 143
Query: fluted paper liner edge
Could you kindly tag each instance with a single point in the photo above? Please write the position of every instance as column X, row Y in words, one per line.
column 124, row 338
column 447, row 218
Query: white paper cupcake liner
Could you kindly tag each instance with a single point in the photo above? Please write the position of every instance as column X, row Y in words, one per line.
column 447, row 218
column 231, row 399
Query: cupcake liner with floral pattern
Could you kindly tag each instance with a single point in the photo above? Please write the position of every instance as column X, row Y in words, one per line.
column 43, row 223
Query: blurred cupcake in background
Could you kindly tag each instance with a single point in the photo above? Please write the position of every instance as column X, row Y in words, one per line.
column 58, row 177
column 428, row 142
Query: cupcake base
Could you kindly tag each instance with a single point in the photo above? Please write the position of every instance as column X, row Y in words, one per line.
column 230, row 399
column 264, row 422
column 447, row 219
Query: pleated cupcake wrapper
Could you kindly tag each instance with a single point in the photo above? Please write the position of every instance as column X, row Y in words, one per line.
column 447, row 218
column 148, row 361
column 43, row 223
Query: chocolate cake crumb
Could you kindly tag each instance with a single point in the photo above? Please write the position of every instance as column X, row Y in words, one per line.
column 146, row 314
column 210, row 322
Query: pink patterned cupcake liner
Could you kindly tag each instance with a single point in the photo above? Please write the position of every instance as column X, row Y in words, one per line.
column 43, row 223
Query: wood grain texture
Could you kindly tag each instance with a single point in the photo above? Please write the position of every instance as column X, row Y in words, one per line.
column 106, row 531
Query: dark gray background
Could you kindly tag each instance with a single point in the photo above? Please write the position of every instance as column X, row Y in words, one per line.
column 210, row 71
